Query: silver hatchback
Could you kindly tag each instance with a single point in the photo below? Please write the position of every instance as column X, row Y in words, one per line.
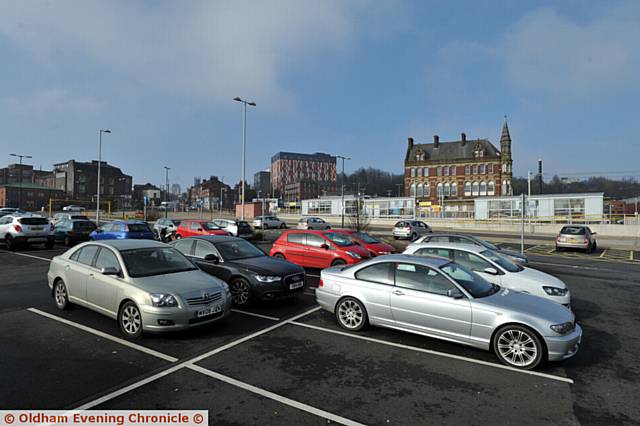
column 576, row 236
column 438, row 298
column 145, row 285
column 410, row 229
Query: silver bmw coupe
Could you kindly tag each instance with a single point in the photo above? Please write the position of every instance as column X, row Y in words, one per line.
column 438, row 298
column 145, row 285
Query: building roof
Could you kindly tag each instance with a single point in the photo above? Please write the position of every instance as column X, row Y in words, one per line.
column 452, row 150
column 318, row 156
column 28, row 185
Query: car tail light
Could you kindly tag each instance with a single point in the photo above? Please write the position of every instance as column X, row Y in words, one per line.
column 320, row 283
column 18, row 228
column 408, row 228
column 586, row 241
column 51, row 226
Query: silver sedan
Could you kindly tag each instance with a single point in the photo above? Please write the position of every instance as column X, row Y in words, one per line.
column 438, row 298
column 145, row 285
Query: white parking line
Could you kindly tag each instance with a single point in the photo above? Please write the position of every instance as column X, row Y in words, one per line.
column 603, row 253
column 26, row 255
column 104, row 335
column 532, row 247
column 431, row 352
column 253, row 314
column 312, row 275
column 274, row 396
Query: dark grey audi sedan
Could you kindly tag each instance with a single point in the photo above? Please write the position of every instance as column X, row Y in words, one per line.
column 251, row 274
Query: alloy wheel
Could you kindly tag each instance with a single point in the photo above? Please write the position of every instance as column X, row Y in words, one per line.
column 517, row 347
column 350, row 314
column 60, row 295
column 240, row 292
column 131, row 320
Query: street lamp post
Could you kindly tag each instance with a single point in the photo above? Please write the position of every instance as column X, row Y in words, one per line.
column 342, row 186
column 244, row 145
column 99, row 164
column 166, row 192
column 20, row 156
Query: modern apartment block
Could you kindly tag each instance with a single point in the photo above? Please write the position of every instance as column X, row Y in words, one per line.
column 291, row 167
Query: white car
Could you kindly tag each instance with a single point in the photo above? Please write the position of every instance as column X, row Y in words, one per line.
column 315, row 223
column 498, row 269
column 25, row 229
column 237, row 228
column 269, row 222
column 72, row 208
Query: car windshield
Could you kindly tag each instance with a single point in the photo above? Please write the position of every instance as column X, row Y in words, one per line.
column 501, row 260
column 574, row 230
column 209, row 226
column 176, row 222
column 238, row 249
column 486, row 244
column 473, row 283
column 368, row 239
column 138, row 227
column 146, row 262
column 338, row 239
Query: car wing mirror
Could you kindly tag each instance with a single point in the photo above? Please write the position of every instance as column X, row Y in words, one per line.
column 594, row 233
column 455, row 293
column 324, row 246
column 212, row 258
column 109, row 270
column 491, row 271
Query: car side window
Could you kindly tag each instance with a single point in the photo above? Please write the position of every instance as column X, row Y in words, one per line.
column 314, row 240
column 87, row 253
column 462, row 240
column 107, row 227
column 204, row 248
column 117, row 227
column 434, row 252
column 297, row 238
column 439, row 239
column 471, row 261
column 184, row 246
column 107, row 259
column 381, row 273
column 422, row 278
column 195, row 226
column 75, row 255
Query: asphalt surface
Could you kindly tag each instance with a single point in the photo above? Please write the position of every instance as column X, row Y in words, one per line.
column 288, row 362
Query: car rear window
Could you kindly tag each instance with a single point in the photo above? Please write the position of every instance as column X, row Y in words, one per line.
column 176, row 222
column 401, row 224
column 84, row 226
column 138, row 227
column 573, row 230
column 33, row 221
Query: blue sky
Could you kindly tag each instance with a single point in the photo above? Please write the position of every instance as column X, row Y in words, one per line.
column 350, row 77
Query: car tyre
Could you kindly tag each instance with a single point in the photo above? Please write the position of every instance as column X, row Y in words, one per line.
column 351, row 314
column 178, row 236
column 67, row 241
column 414, row 236
column 60, row 295
column 283, row 226
column 130, row 321
column 49, row 244
column 518, row 347
column 279, row 256
column 10, row 242
column 338, row 262
column 240, row 291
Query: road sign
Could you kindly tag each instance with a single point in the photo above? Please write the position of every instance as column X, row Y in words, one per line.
column 146, row 200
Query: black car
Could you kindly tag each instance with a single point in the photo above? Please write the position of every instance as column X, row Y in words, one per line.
column 71, row 231
column 251, row 274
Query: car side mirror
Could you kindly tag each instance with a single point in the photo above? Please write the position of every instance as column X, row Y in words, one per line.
column 594, row 233
column 455, row 293
column 324, row 246
column 199, row 229
column 491, row 271
column 212, row 258
column 109, row 270
column 99, row 230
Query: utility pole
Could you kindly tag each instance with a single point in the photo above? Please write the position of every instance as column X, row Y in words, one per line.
column 540, row 175
column 99, row 165
column 522, row 227
column 166, row 193
column 244, row 146
column 20, row 156
column 342, row 187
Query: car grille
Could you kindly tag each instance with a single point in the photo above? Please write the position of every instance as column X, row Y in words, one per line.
column 204, row 299
column 293, row 278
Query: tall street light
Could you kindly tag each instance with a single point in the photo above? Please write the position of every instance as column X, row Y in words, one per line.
column 342, row 185
column 20, row 179
column 244, row 145
column 166, row 192
column 99, row 164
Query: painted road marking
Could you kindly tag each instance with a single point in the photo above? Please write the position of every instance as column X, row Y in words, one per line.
column 27, row 255
column 603, row 253
column 631, row 255
column 253, row 314
column 533, row 247
column 551, row 251
column 441, row 354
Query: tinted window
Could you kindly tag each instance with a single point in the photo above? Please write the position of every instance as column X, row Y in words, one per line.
column 106, row 259
column 316, row 240
column 33, row 221
column 338, row 239
column 238, row 249
column 296, row 237
column 401, row 224
column 82, row 226
column 573, row 230
column 203, row 248
column 418, row 277
column 439, row 239
column 183, row 246
column 368, row 239
column 138, row 227
column 474, row 284
column 503, row 261
column 86, row 254
column 434, row 252
column 471, row 261
column 379, row 273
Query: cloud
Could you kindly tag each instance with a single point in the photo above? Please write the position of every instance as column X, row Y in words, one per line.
column 49, row 101
column 207, row 49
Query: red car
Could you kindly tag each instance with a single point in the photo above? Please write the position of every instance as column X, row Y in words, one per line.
column 375, row 246
column 190, row 228
column 317, row 249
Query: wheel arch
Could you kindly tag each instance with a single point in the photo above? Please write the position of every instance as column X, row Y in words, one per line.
column 545, row 350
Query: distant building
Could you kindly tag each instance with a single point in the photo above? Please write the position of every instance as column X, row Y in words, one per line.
column 25, row 173
column 152, row 192
column 207, row 194
column 175, row 189
column 29, row 196
column 262, row 182
column 290, row 167
column 307, row 188
column 458, row 170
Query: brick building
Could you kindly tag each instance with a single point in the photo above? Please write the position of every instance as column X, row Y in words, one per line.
column 306, row 189
column 458, row 170
column 28, row 196
column 290, row 167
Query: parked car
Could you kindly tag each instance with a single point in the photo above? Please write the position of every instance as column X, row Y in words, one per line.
column 58, row 217
column 269, row 222
column 164, row 226
column 72, row 231
column 438, row 298
column 317, row 249
column 250, row 273
column 373, row 245
column 122, row 229
column 576, row 236
column 236, row 228
column 144, row 285
column 410, row 229
column 192, row 228
column 316, row 223
column 73, row 208
column 498, row 269
column 442, row 237
column 16, row 230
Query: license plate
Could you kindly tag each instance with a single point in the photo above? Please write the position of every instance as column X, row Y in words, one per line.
column 39, row 228
column 293, row 286
column 37, row 240
column 209, row 311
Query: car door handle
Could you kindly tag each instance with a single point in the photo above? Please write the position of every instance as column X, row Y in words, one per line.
column 91, row 275
column 67, row 267
column 398, row 293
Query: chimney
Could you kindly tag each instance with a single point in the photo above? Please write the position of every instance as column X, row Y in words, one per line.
column 463, row 138
column 436, row 141
column 410, row 140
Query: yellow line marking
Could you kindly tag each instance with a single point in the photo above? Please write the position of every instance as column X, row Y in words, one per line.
column 531, row 248
column 603, row 253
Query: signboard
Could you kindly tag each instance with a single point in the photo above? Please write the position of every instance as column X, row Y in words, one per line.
column 146, row 200
column 424, row 203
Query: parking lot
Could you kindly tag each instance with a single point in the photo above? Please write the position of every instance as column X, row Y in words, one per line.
column 289, row 362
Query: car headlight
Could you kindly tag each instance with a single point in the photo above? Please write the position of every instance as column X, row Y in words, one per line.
column 161, row 300
column 227, row 289
column 354, row 255
column 563, row 328
column 268, row 278
column 555, row 291
column 384, row 252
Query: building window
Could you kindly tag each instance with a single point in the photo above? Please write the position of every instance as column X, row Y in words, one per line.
column 483, row 188
column 439, row 171
column 475, row 189
column 413, row 172
column 426, row 171
column 447, row 189
column 454, row 189
column 427, row 190
column 439, row 190
column 29, row 194
column 475, row 169
column 41, row 194
column 446, row 171
column 412, row 190
column 491, row 188
column 482, row 169
column 453, row 170
column 490, row 168
column 419, row 171
column 467, row 169
column 320, row 207
column 467, row 189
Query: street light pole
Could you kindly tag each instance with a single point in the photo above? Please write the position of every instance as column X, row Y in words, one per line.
column 20, row 179
column 244, row 145
column 342, row 186
column 166, row 192
column 99, row 164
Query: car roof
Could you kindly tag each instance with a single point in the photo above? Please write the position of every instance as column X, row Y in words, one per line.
column 433, row 261
column 128, row 221
column 130, row 244
column 457, row 246
column 214, row 238
column 308, row 231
